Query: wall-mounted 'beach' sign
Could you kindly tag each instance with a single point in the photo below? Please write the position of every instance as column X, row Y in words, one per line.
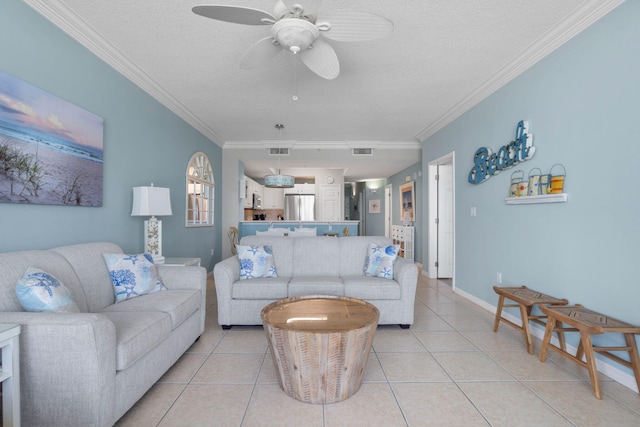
column 488, row 163
column 50, row 149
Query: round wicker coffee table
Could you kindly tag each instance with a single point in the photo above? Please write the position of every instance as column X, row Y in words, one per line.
column 320, row 345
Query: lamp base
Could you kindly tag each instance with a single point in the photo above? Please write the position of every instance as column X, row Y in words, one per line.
column 153, row 239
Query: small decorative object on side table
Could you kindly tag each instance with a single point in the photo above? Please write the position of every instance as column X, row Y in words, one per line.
column 10, row 373
column 182, row 262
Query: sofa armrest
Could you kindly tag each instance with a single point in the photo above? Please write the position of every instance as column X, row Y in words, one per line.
column 405, row 272
column 187, row 277
column 183, row 277
column 67, row 367
column 225, row 274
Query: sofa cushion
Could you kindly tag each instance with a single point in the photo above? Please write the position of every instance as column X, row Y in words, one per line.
column 88, row 264
column 316, row 285
column 137, row 333
column 380, row 259
column 316, row 256
column 371, row 288
column 38, row 290
column 132, row 275
column 256, row 261
column 260, row 288
column 178, row 303
column 353, row 253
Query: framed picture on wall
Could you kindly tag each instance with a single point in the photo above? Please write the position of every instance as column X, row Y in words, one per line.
column 50, row 149
column 407, row 202
column 374, row 206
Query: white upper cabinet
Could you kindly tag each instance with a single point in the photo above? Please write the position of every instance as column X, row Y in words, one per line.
column 273, row 198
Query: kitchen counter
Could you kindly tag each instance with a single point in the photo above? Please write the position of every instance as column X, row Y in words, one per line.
column 249, row 228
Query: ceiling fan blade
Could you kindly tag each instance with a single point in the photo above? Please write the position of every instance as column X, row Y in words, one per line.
column 310, row 7
column 235, row 14
column 259, row 53
column 350, row 26
column 322, row 60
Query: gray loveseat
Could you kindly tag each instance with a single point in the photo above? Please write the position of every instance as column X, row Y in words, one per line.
column 89, row 368
column 315, row 266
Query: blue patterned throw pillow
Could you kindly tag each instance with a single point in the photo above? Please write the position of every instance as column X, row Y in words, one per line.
column 132, row 275
column 40, row 291
column 256, row 261
column 380, row 259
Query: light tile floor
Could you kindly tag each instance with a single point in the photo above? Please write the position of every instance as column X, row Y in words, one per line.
column 449, row 369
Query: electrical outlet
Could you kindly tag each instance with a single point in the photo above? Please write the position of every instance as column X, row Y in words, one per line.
column 211, row 251
column 499, row 277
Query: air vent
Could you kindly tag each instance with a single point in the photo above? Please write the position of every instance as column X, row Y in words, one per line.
column 362, row 151
column 278, row 151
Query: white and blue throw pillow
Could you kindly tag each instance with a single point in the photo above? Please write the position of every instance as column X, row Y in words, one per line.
column 133, row 275
column 380, row 259
column 256, row 261
column 38, row 290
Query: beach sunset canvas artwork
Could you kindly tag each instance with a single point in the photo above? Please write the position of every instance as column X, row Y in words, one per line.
column 50, row 150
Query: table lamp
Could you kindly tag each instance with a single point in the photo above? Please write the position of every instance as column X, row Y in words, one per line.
column 152, row 201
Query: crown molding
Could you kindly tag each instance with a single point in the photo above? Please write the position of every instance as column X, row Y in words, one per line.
column 69, row 22
column 575, row 23
column 322, row 145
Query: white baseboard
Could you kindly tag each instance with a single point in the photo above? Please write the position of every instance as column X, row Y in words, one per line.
column 612, row 371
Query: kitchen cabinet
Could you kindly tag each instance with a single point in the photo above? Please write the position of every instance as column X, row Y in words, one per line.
column 301, row 189
column 251, row 188
column 273, row 198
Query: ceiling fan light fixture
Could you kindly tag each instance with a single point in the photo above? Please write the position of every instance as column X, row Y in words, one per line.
column 295, row 34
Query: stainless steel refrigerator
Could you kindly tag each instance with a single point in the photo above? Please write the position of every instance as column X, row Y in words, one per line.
column 299, row 207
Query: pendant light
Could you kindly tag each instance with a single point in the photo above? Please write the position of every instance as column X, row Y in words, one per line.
column 278, row 180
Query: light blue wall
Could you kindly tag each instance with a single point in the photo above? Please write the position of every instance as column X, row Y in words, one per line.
column 143, row 142
column 581, row 102
column 414, row 172
column 375, row 221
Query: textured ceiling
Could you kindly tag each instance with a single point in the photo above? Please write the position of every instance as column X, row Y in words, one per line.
column 442, row 57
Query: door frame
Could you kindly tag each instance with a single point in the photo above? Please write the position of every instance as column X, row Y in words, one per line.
column 388, row 220
column 432, row 229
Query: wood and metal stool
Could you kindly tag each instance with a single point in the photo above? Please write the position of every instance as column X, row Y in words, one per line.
column 526, row 299
column 588, row 323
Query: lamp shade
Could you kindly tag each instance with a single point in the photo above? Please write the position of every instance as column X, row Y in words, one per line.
column 279, row 181
column 151, row 201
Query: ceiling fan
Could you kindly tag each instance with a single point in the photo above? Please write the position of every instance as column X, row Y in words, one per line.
column 296, row 27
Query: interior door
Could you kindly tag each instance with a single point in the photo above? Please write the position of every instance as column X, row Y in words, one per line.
column 445, row 221
column 330, row 202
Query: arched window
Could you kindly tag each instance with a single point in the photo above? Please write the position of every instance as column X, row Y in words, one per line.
column 200, row 191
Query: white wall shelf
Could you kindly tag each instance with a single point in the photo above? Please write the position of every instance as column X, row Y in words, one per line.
column 547, row 198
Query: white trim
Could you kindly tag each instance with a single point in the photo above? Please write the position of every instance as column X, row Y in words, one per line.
column 69, row 22
column 325, row 145
column 613, row 372
column 432, row 243
column 576, row 22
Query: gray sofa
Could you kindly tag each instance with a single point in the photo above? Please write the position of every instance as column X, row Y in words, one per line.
column 89, row 368
column 315, row 266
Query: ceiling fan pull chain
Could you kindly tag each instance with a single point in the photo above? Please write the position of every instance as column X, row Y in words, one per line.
column 295, row 77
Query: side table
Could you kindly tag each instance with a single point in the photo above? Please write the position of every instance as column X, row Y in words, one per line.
column 182, row 262
column 10, row 374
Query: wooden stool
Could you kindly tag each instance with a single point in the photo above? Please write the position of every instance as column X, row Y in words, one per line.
column 589, row 322
column 526, row 299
